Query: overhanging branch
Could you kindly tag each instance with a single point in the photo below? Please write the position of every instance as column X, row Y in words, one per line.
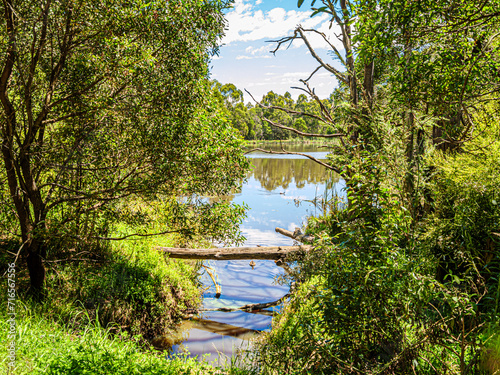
column 335, row 169
column 287, row 110
column 336, row 135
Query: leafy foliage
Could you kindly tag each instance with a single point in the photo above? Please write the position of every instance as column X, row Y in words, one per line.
column 404, row 278
column 104, row 102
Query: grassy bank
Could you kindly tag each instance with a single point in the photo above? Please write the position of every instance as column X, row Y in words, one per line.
column 104, row 307
column 46, row 347
column 127, row 283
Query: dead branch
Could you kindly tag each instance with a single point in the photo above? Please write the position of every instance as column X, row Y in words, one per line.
column 287, row 110
column 296, row 235
column 299, row 30
column 248, row 307
column 334, row 49
column 335, row 169
column 336, row 135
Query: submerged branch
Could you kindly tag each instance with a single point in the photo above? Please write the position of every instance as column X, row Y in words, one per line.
column 248, row 307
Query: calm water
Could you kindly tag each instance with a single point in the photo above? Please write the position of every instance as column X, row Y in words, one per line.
column 278, row 192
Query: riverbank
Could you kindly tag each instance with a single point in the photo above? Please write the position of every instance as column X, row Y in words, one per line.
column 43, row 346
column 103, row 310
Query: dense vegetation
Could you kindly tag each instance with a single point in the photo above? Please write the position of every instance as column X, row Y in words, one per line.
column 405, row 277
column 104, row 103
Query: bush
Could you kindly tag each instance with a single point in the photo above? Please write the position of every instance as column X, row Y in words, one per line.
column 369, row 301
column 463, row 231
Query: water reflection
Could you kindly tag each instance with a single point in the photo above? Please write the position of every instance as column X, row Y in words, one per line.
column 278, row 191
column 273, row 173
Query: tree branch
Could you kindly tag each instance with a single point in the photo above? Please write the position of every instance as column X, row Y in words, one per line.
column 340, row 76
column 287, row 110
column 336, row 135
column 334, row 49
column 335, row 169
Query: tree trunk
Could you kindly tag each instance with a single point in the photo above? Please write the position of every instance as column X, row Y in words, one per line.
column 409, row 185
column 368, row 82
column 36, row 253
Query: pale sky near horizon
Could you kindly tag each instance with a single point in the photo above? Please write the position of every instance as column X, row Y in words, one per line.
column 245, row 58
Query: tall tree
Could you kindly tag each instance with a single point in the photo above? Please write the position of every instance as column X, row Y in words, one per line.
column 103, row 101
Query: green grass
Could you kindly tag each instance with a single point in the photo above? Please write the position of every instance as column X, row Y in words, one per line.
column 128, row 286
column 45, row 347
column 491, row 354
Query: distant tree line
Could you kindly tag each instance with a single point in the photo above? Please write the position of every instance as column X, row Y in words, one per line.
column 250, row 119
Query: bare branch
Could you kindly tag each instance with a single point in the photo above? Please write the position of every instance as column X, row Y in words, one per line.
column 248, row 307
column 312, row 94
column 334, row 49
column 284, row 40
column 315, row 70
column 299, row 30
column 340, row 76
column 137, row 235
column 287, row 110
column 336, row 135
column 335, row 169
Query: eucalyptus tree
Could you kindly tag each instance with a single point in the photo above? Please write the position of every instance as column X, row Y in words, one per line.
column 105, row 101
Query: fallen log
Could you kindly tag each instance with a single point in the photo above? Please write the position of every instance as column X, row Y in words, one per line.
column 296, row 235
column 230, row 253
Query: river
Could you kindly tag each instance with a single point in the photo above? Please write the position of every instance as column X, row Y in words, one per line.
column 279, row 192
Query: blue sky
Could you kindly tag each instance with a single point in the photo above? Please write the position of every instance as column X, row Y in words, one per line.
column 245, row 57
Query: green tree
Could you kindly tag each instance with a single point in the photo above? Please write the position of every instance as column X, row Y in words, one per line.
column 104, row 101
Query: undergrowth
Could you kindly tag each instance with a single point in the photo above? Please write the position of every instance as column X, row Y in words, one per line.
column 45, row 347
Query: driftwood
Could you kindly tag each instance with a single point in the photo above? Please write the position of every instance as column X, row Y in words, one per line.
column 229, row 253
column 211, row 272
column 296, row 235
column 249, row 307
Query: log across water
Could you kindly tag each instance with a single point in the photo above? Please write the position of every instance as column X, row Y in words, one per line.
column 230, row 253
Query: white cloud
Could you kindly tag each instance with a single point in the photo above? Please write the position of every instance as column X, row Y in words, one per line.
column 245, row 57
column 247, row 24
column 297, row 74
column 255, row 51
column 245, row 50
